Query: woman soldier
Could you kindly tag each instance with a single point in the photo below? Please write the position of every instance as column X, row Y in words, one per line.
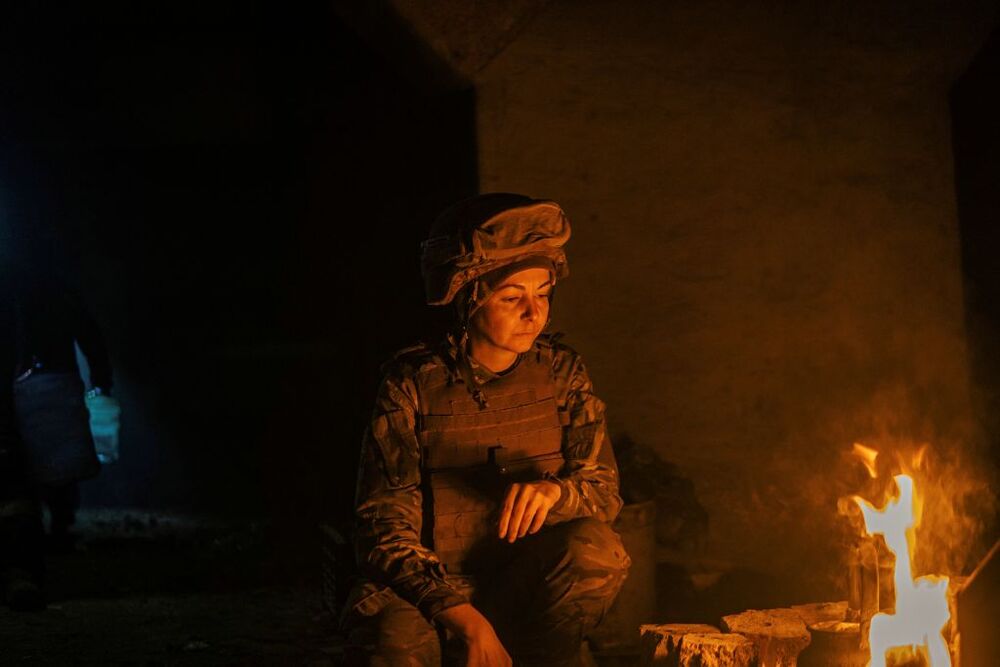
column 487, row 483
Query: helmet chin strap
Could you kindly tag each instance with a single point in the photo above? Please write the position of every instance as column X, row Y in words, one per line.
column 465, row 368
column 466, row 309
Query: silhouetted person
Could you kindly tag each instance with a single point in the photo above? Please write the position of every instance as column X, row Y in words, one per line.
column 49, row 393
column 21, row 564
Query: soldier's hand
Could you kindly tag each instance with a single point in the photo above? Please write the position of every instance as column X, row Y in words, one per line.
column 487, row 652
column 483, row 647
column 525, row 508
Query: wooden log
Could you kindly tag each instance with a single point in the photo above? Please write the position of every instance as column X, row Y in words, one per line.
column 780, row 635
column 863, row 580
column 689, row 645
column 834, row 644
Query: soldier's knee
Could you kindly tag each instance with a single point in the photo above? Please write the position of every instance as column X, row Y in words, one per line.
column 594, row 545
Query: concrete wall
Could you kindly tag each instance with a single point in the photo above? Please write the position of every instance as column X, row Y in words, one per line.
column 765, row 263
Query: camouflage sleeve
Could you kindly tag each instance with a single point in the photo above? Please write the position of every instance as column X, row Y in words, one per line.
column 589, row 478
column 388, row 507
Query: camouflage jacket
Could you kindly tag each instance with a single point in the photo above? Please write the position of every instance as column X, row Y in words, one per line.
column 389, row 512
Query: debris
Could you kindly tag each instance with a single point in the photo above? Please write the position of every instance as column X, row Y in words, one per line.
column 681, row 520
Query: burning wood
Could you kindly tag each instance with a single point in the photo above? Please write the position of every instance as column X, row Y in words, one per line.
column 915, row 625
column 864, row 594
column 892, row 617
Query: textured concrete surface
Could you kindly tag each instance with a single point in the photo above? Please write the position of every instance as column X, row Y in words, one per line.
column 765, row 263
column 441, row 43
column 166, row 589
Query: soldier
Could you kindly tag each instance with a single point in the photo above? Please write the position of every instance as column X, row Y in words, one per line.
column 21, row 558
column 487, row 482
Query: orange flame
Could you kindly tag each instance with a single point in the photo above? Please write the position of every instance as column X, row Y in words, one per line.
column 921, row 603
column 867, row 456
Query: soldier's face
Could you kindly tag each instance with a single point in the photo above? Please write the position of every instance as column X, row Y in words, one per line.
column 517, row 311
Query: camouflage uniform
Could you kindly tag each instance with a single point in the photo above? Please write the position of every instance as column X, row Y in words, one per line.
column 558, row 583
column 543, row 593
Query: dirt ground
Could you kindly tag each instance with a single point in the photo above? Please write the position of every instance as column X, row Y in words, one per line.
column 145, row 589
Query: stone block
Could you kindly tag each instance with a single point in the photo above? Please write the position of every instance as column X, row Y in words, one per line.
column 779, row 635
column 834, row 644
column 819, row 612
column 688, row 645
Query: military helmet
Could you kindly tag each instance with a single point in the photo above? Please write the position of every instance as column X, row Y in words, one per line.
column 488, row 232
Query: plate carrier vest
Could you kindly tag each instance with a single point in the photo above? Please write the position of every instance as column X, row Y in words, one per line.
column 472, row 453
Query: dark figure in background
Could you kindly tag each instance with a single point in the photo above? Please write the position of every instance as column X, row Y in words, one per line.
column 487, row 482
column 49, row 393
column 21, row 565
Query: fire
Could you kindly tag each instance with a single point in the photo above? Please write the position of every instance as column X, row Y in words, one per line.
column 921, row 603
column 867, row 456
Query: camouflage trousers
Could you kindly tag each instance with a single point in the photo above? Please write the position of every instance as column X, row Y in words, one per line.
column 554, row 588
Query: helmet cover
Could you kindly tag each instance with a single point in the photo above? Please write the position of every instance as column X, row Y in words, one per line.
column 488, row 232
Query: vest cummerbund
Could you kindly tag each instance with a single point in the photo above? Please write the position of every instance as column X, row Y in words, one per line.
column 472, row 453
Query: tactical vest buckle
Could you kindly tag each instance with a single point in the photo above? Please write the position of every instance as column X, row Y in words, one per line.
column 497, row 458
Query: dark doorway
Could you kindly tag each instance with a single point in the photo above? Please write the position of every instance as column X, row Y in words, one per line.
column 239, row 189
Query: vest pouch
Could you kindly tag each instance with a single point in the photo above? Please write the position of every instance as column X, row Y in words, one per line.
column 530, row 469
column 465, row 503
column 471, row 453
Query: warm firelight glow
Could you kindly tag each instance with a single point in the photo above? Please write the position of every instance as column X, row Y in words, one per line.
column 867, row 456
column 921, row 604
